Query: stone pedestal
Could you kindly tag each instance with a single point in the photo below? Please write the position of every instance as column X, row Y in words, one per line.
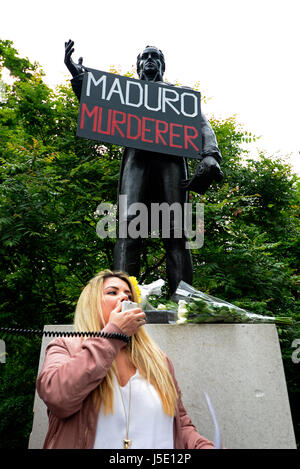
column 238, row 365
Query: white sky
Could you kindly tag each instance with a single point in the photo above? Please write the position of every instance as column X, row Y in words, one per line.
column 245, row 53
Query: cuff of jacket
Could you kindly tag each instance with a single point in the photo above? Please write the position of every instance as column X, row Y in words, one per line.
column 214, row 153
column 111, row 327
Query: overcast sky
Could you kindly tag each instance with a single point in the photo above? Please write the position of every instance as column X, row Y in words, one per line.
column 244, row 53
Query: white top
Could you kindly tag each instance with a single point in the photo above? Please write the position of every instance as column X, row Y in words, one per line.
column 149, row 426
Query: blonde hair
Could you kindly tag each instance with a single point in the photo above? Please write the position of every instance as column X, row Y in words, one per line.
column 143, row 352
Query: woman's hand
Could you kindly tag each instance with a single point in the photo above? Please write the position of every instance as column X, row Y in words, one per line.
column 128, row 321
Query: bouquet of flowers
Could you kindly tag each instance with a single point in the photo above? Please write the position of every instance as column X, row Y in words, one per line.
column 195, row 306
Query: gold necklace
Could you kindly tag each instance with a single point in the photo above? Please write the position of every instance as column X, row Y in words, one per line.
column 126, row 441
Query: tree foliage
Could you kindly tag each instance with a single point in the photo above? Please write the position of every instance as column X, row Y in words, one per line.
column 51, row 183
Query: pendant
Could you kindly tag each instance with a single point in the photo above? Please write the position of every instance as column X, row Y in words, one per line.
column 126, row 443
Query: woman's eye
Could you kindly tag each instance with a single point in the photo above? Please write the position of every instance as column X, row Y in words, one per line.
column 113, row 293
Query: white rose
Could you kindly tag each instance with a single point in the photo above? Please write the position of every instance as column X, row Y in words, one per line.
column 181, row 321
column 181, row 311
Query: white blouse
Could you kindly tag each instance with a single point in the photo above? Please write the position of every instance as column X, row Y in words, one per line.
column 149, row 426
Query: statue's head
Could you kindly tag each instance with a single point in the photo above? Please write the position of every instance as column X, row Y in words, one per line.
column 150, row 64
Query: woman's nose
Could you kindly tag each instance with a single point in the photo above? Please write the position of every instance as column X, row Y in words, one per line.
column 123, row 296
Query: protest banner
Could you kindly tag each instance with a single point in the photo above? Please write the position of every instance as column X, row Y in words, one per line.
column 151, row 116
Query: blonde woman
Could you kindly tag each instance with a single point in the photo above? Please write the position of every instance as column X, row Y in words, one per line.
column 115, row 391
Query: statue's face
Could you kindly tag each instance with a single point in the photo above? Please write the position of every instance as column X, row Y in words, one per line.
column 150, row 63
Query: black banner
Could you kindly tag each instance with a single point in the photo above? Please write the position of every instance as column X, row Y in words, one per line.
column 139, row 114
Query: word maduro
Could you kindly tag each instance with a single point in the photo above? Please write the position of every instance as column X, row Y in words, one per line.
column 117, row 123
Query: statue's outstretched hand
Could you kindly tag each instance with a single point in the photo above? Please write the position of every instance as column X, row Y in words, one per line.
column 74, row 69
column 207, row 171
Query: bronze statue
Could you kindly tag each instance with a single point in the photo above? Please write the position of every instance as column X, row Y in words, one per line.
column 148, row 177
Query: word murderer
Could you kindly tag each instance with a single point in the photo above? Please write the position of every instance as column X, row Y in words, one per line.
column 144, row 115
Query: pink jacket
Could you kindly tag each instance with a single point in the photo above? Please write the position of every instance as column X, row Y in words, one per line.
column 71, row 371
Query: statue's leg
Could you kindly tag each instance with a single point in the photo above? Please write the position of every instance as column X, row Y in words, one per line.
column 127, row 253
column 179, row 262
column 132, row 187
column 178, row 256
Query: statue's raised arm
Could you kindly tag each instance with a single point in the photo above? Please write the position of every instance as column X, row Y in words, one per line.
column 74, row 68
